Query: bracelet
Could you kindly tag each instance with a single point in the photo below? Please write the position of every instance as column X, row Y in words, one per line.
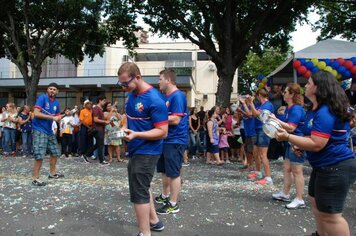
column 288, row 137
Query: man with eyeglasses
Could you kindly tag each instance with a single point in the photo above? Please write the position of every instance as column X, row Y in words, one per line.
column 146, row 126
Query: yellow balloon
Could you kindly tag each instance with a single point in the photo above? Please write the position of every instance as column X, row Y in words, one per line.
column 321, row 65
column 315, row 61
column 261, row 85
column 264, row 80
column 328, row 68
column 334, row 72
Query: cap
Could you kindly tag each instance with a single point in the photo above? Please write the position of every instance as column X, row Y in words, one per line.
column 53, row 85
column 86, row 101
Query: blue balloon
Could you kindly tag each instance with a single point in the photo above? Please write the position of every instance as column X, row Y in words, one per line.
column 260, row 77
column 341, row 70
column 314, row 69
column 302, row 60
column 327, row 61
column 353, row 59
column 309, row 65
column 347, row 74
column 335, row 65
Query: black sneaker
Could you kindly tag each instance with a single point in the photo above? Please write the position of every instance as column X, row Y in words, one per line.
column 55, row 176
column 104, row 163
column 158, row 227
column 37, row 182
column 161, row 200
column 85, row 158
column 168, row 209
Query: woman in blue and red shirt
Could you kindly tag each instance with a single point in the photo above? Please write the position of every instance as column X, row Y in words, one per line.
column 328, row 152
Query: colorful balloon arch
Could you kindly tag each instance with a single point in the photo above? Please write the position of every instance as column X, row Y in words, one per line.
column 342, row 69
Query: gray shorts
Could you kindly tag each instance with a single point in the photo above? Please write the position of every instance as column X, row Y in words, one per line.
column 141, row 169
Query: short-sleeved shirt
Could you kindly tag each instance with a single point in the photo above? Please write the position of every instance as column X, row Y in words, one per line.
column 294, row 116
column 27, row 127
column 86, row 117
column 48, row 107
column 323, row 123
column 176, row 103
column 98, row 112
column 249, row 125
column 265, row 106
column 145, row 111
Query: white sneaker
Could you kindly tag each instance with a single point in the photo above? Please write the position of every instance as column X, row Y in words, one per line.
column 193, row 157
column 228, row 161
column 281, row 197
column 296, row 204
column 93, row 157
column 63, row 156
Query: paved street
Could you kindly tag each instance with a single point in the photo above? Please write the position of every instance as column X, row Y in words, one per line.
column 94, row 200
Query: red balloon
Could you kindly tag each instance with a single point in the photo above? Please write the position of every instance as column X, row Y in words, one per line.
column 341, row 61
column 307, row 74
column 296, row 64
column 353, row 70
column 348, row 64
column 302, row 70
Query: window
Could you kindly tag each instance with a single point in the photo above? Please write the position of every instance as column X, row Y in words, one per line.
column 119, row 97
column 173, row 56
column 203, row 56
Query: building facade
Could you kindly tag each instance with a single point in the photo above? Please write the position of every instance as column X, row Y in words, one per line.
column 197, row 75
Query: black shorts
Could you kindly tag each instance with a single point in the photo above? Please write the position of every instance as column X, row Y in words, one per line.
column 141, row 169
column 233, row 142
column 171, row 159
column 329, row 185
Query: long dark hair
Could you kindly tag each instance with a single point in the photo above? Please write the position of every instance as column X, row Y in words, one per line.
column 329, row 92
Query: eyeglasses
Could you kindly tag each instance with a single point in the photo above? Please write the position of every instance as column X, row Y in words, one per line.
column 126, row 83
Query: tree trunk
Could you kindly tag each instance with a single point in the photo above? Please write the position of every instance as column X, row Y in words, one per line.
column 31, row 85
column 226, row 76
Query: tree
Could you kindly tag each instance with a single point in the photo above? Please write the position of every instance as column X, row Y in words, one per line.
column 226, row 29
column 337, row 17
column 256, row 64
column 32, row 30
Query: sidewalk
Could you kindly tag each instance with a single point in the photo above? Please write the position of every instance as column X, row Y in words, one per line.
column 94, row 200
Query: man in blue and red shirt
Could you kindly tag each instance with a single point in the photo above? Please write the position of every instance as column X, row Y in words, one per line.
column 171, row 159
column 46, row 111
column 147, row 125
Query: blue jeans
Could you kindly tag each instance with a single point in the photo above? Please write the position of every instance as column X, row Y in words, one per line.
column 194, row 142
column 27, row 143
column 9, row 138
column 202, row 140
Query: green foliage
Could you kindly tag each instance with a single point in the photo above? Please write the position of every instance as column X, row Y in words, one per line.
column 256, row 64
column 336, row 18
column 226, row 29
column 31, row 30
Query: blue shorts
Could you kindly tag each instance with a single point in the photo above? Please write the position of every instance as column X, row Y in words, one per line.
column 262, row 140
column 44, row 144
column 211, row 148
column 171, row 159
column 329, row 185
column 292, row 157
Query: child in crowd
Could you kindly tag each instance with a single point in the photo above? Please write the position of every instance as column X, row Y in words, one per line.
column 224, row 145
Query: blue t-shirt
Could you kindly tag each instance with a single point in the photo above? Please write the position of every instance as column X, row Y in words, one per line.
column 47, row 107
column 294, row 116
column 27, row 127
column 145, row 111
column 176, row 104
column 249, row 125
column 265, row 106
column 323, row 123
